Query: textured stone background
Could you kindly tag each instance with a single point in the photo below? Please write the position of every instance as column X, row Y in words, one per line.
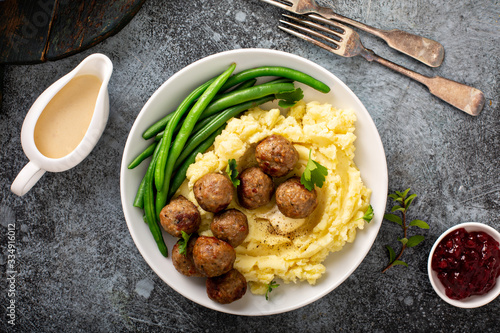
column 78, row 268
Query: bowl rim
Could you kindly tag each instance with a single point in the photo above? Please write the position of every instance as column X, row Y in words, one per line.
column 380, row 200
column 471, row 301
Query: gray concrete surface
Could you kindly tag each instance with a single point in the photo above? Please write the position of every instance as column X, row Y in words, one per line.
column 78, row 269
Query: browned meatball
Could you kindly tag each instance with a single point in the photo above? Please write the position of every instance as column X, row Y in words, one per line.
column 184, row 263
column 227, row 288
column 212, row 256
column 180, row 215
column 230, row 226
column 276, row 155
column 214, row 192
column 255, row 189
column 294, row 200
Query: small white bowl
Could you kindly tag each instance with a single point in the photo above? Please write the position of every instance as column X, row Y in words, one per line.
column 472, row 301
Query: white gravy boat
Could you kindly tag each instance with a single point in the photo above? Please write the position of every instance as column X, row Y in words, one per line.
column 96, row 64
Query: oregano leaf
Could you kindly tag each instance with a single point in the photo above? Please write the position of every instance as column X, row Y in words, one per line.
column 401, row 203
column 393, row 196
column 399, row 262
column 419, row 223
column 392, row 254
column 397, row 208
column 409, row 200
column 393, row 218
column 415, row 240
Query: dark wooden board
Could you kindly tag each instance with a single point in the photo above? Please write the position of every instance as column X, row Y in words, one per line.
column 33, row 31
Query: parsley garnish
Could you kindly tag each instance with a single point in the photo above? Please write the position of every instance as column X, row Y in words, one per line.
column 368, row 217
column 270, row 288
column 314, row 174
column 289, row 99
column 232, row 172
column 183, row 242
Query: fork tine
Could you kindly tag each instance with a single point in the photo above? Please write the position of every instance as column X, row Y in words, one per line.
column 307, row 38
column 339, row 46
column 283, row 4
column 338, row 34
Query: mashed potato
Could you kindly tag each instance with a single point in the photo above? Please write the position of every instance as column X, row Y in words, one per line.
column 279, row 247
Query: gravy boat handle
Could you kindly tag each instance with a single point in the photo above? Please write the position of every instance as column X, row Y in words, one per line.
column 26, row 178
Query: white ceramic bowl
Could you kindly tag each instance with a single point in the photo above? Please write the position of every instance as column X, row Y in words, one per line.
column 370, row 159
column 472, row 301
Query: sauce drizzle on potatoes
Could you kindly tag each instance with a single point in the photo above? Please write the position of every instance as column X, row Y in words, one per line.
column 278, row 247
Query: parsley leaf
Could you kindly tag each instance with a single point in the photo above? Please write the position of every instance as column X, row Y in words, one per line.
column 232, row 172
column 314, row 174
column 289, row 99
column 270, row 288
column 183, row 242
column 368, row 217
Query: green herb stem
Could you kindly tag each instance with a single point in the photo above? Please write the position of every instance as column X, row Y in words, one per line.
column 405, row 233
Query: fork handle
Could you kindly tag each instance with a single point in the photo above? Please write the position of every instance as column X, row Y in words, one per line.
column 420, row 48
column 461, row 96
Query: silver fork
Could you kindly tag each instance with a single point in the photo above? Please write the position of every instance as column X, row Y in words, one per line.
column 347, row 44
column 420, row 48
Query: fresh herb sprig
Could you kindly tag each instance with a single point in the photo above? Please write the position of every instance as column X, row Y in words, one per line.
column 287, row 100
column 270, row 288
column 368, row 217
column 402, row 202
column 232, row 172
column 314, row 174
column 183, row 242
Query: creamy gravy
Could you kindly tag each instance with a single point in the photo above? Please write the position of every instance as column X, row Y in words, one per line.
column 65, row 120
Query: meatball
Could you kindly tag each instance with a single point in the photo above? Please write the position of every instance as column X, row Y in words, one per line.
column 180, row 215
column 227, row 288
column 276, row 155
column 184, row 263
column 212, row 256
column 230, row 226
column 294, row 200
column 214, row 192
column 255, row 189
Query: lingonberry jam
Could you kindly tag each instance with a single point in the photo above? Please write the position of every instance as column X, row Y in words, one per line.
column 467, row 263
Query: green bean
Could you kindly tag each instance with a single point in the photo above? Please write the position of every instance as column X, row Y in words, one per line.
column 139, row 197
column 198, row 126
column 180, row 174
column 185, row 132
column 217, row 122
column 245, row 95
column 202, row 123
column 142, row 156
column 157, row 127
column 162, row 123
column 149, row 209
column 169, row 132
column 277, row 71
column 245, row 84
column 205, row 121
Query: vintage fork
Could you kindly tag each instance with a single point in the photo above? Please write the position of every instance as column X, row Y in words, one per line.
column 347, row 44
column 423, row 49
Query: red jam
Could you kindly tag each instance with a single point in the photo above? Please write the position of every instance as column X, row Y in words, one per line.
column 467, row 263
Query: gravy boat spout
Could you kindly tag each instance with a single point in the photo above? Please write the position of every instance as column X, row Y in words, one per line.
column 65, row 122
